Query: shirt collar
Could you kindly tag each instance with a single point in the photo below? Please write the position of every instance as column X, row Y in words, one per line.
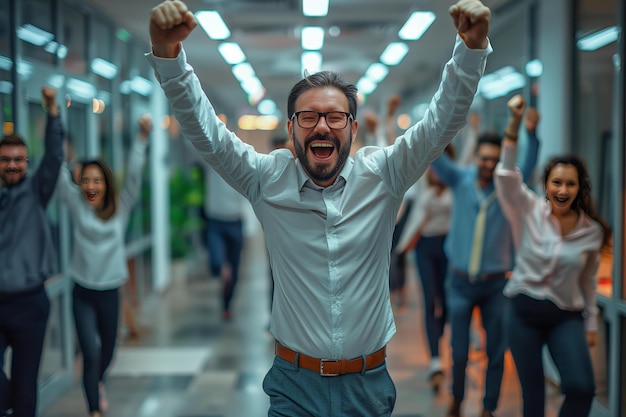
column 303, row 177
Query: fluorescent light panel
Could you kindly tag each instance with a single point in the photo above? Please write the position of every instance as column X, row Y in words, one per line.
column 32, row 34
column 312, row 38
column 231, row 52
column 103, row 68
column 416, row 25
column 213, row 24
column 597, row 40
column 315, row 8
column 534, row 68
column 141, row 85
column 394, row 53
column 243, row 71
column 366, row 85
column 377, row 72
column 501, row 82
column 311, row 62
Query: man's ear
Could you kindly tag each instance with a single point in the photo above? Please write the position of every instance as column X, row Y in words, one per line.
column 289, row 129
column 355, row 129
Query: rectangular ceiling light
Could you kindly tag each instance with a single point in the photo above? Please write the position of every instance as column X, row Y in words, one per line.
column 32, row 34
column 243, row 71
column 312, row 38
column 501, row 82
column 597, row 40
column 231, row 52
column 394, row 53
column 311, row 62
column 213, row 24
column 315, row 8
column 377, row 72
column 103, row 68
column 366, row 86
column 416, row 25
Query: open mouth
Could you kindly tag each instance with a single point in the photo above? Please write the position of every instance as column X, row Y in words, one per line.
column 561, row 199
column 91, row 196
column 322, row 150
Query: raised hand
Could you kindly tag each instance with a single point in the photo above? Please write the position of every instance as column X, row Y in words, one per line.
column 48, row 100
column 471, row 20
column 145, row 126
column 532, row 119
column 516, row 106
column 170, row 24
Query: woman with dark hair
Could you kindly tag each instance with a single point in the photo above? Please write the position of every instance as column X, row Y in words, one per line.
column 98, row 265
column 558, row 238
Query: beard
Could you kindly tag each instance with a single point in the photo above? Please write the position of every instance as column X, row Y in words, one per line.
column 321, row 173
column 9, row 181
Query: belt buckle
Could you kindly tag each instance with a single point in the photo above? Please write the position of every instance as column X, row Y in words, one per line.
column 322, row 361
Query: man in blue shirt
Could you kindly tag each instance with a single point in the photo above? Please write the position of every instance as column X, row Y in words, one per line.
column 479, row 262
column 328, row 218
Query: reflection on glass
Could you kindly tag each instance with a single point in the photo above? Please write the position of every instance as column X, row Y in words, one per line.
column 52, row 357
column 74, row 37
column 600, row 358
column 5, row 46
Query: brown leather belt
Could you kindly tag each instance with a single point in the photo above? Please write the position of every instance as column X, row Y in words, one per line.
column 332, row 367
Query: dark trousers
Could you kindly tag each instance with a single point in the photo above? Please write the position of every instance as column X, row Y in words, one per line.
column 432, row 266
column 299, row 392
column 461, row 298
column 23, row 319
column 96, row 315
column 534, row 323
column 225, row 243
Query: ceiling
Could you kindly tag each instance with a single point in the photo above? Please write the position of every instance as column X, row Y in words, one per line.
column 268, row 33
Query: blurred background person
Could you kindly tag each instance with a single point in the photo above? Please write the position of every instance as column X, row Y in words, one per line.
column 552, row 300
column 98, row 265
column 27, row 259
column 479, row 249
column 425, row 232
column 224, row 209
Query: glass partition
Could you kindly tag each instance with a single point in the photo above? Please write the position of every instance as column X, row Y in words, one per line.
column 36, row 31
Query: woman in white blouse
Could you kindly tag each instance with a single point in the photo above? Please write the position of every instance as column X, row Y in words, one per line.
column 426, row 229
column 558, row 238
column 98, row 266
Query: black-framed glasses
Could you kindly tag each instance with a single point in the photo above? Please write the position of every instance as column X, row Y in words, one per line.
column 18, row 160
column 308, row 119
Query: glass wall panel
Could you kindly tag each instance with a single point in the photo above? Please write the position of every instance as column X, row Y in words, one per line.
column 75, row 38
column 595, row 97
column 6, row 85
column 37, row 31
column 5, row 45
column 53, row 358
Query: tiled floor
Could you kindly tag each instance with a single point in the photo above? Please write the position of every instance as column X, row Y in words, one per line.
column 189, row 363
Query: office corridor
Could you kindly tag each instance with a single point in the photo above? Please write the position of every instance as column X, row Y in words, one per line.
column 188, row 362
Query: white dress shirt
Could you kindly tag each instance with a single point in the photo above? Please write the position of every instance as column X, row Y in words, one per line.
column 329, row 248
column 548, row 266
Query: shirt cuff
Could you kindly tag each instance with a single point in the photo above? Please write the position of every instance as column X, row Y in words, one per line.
column 167, row 68
column 470, row 59
column 509, row 156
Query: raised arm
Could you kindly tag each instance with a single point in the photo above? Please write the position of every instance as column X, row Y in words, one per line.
column 45, row 178
column 529, row 159
column 514, row 196
column 134, row 172
column 170, row 24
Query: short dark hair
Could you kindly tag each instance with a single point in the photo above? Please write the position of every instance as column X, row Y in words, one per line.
column 110, row 199
column 488, row 138
column 319, row 80
column 12, row 140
